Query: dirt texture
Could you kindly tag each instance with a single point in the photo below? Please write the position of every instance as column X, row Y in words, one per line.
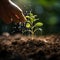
column 19, row 47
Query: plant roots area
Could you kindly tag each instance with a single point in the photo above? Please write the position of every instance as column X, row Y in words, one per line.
column 19, row 47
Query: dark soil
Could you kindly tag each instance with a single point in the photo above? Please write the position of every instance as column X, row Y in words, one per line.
column 18, row 47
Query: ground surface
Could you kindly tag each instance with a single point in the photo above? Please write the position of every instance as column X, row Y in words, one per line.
column 18, row 47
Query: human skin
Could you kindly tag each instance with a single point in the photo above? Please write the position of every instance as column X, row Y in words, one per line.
column 10, row 12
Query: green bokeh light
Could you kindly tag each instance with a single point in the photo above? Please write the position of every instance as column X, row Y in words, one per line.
column 52, row 20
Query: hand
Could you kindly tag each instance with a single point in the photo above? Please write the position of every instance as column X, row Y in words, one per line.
column 10, row 12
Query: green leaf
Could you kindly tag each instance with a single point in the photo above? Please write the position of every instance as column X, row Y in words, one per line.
column 28, row 25
column 38, row 24
column 32, row 20
column 36, row 19
column 27, row 16
column 31, row 14
column 35, row 15
column 28, row 21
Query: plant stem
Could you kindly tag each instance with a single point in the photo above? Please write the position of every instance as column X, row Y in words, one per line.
column 32, row 31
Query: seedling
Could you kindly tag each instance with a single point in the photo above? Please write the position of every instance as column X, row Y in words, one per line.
column 32, row 25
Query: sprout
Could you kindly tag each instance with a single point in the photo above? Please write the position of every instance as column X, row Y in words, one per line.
column 30, row 24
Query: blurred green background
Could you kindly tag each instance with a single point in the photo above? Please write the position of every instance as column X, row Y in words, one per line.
column 48, row 11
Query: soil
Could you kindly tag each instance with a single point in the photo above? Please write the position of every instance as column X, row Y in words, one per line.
column 19, row 47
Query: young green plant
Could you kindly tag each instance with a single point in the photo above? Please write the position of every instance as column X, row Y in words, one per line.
column 30, row 24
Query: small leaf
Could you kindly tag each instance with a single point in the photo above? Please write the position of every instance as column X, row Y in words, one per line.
column 27, row 16
column 28, row 25
column 35, row 15
column 31, row 19
column 36, row 19
column 31, row 14
column 28, row 21
column 39, row 24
